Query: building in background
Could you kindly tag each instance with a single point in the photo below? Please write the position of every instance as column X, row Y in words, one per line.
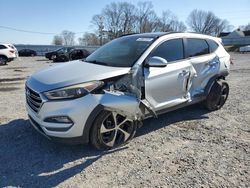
column 236, row 38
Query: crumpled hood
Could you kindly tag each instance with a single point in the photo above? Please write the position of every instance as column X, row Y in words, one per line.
column 71, row 73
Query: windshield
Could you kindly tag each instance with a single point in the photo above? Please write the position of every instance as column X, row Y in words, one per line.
column 121, row 52
column 62, row 50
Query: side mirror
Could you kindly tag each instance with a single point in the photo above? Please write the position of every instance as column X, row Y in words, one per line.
column 156, row 62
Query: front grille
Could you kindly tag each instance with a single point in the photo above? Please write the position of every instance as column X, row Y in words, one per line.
column 33, row 99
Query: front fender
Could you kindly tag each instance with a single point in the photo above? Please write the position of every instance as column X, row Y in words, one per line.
column 122, row 103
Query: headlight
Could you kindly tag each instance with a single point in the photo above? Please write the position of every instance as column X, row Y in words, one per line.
column 74, row 91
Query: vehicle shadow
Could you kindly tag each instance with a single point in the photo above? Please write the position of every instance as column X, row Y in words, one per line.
column 29, row 160
column 43, row 60
column 193, row 112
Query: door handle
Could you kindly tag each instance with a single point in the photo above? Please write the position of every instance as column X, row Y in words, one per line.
column 184, row 73
column 212, row 63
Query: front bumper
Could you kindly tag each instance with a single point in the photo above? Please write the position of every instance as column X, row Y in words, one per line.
column 78, row 110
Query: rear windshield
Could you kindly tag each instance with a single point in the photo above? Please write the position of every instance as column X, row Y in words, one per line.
column 121, row 52
column 11, row 46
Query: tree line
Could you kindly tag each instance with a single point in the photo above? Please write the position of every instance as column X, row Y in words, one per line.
column 121, row 18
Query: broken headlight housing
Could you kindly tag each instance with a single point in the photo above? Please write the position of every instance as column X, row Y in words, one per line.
column 73, row 92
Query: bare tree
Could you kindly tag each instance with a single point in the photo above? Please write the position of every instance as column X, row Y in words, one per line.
column 57, row 40
column 116, row 19
column 68, row 38
column 178, row 26
column 169, row 22
column 206, row 22
column 166, row 20
column 119, row 18
column 81, row 41
column 89, row 39
column 98, row 21
column 128, row 17
column 223, row 26
column 245, row 27
column 147, row 20
column 112, row 14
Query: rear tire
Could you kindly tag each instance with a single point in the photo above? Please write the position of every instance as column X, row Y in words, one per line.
column 3, row 60
column 217, row 96
column 111, row 130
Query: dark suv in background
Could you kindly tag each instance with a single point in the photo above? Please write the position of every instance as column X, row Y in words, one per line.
column 51, row 55
column 73, row 54
column 67, row 54
column 27, row 52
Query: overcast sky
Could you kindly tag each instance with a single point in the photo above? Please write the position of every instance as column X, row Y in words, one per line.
column 53, row 16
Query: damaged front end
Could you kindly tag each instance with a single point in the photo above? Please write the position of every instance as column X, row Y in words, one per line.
column 121, row 96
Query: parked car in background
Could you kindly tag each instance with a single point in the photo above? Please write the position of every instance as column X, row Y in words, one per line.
column 244, row 49
column 79, row 53
column 7, row 53
column 105, row 98
column 73, row 54
column 51, row 55
column 27, row 52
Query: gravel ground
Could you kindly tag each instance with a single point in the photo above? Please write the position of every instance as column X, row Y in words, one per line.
column 190, row 147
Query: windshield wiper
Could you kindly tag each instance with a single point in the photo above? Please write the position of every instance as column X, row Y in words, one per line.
column 96, row 62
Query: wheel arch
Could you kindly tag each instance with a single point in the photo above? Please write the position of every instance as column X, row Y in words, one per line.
column 6, row 59
column 213, row 79
column 1, row 55
column 90, row 120
column 123, row 104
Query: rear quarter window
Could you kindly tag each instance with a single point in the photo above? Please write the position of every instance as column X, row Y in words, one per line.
column 196, row 47
column 11, row 47
column 212, row 45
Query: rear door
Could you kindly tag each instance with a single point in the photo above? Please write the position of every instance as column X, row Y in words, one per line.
column 168, row 86
column 204, row 61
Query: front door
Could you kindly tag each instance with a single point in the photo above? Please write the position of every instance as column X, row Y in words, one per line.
column 168, row 86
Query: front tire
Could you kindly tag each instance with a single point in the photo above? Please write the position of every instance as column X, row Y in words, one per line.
column 111, row 130
column 217, row 96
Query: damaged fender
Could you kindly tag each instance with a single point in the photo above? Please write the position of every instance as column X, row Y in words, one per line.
column 124, row 104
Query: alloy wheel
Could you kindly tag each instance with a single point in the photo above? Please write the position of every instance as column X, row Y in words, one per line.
column 116, row 129
column 223, row 95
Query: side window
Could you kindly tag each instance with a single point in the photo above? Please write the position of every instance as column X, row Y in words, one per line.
column 212, row 45
column 196, row 47
column 171, row 50
column 2, row 47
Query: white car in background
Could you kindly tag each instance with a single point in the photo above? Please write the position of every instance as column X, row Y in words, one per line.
column 244, row 49
column 8, row 53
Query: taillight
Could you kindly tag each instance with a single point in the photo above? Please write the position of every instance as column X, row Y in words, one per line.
column 12, row 51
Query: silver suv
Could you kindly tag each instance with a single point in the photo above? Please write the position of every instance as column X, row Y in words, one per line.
column 104, row 98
